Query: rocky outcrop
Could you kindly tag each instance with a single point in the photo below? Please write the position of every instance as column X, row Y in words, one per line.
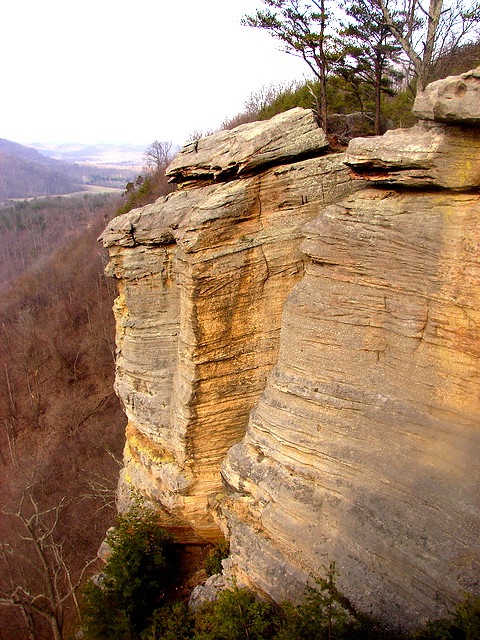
column 347, row 429
column 430, row 154
column 292, row 135
column 202, row 278
column 442, row 150
column 455, row 99
column 363, row 448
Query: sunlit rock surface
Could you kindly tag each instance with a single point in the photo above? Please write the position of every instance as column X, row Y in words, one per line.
column 288, row 136
column 430, row 154
column 363, row 438
column 202, row 278
column 364, row 447
column 455, row 99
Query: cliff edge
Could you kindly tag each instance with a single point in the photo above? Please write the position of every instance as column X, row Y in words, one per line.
column 202, row 278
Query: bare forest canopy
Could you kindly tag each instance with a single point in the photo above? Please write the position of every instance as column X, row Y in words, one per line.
column 62, row 427
column 30, row 230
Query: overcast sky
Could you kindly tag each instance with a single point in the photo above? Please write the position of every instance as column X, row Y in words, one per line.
column 121, row 71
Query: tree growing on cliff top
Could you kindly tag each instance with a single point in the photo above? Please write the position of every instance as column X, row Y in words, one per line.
column 303, row 29
column 368, row 52
column 427, row 30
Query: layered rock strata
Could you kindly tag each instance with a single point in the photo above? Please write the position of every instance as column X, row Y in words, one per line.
column 364, row 447
column 202, row 278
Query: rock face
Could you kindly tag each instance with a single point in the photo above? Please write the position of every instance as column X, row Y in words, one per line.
column 202, row 278
column 363, row 448
column 364, row 397
column 288, row 136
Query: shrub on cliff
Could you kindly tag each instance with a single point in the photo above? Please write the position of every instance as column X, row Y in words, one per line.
column 323, row 615
column 236, row 615
column 145, row 190
column 136, row 580
column 213, row 561
column 173, row 621
column 462, row 624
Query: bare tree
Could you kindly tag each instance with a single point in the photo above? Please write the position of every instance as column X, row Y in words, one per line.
column 267, row 94
column 37, row 580
column 428, row 29
column 158, row 155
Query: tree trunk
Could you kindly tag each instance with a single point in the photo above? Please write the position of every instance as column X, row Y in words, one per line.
column 323, row 70
column 323, row 101
column 55, row 627
column 434, row 15
column 378, row 97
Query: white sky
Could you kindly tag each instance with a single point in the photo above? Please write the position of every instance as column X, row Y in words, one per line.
column 120, row 71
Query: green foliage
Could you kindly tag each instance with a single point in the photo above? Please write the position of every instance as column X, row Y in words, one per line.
column 137, row 577
column 297, row 96
column 341, row 98
column 463, row 624
column 398, row 109
column 103, row 617
column 144, row 190
column 213, row 562
column 322, row 615
column 173, row 621
column 132, row 601
column 236, row 615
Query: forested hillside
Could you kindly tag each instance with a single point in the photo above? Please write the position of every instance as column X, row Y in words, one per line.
column 31, row 229
column 26, row 173
column 62, row 429
column 62, row 426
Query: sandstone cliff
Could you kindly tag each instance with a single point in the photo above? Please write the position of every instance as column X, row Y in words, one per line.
column 202, row 277
column 363, row 449
column 363, row 437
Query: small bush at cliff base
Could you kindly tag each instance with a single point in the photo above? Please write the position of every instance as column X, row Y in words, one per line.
column 323, row 615
column 103, row 617
column 170, row 622
column 236, row 615
column 463, row 624
column 136, row 579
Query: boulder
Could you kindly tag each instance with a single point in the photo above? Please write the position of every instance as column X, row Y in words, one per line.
column 429, row 154
column 455, row 100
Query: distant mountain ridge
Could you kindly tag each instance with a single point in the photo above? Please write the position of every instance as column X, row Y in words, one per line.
column 125, row 154
column 25, row 172
column 22, row 151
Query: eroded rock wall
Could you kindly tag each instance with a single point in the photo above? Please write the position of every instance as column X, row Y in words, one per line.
column 203, row 275
column 364, row 447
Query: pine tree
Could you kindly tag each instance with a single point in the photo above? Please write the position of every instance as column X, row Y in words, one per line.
column 369, row 50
